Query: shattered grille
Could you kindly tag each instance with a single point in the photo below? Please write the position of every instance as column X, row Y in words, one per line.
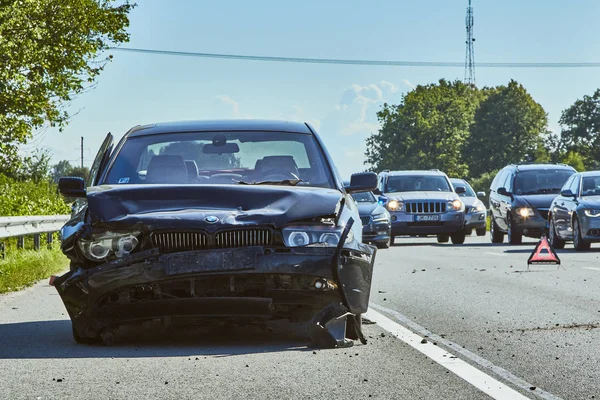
column 179, row 241
column 243, row 238
column 425, row 207
column 365, row 220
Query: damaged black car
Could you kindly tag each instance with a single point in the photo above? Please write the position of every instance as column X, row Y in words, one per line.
column 241, row 220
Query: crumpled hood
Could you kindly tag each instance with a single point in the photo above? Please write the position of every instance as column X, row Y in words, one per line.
column 407, row 196
column 187, row 206
column 469, row 201
column 537, row 200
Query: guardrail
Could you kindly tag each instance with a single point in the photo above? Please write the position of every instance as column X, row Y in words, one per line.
column 35, row 226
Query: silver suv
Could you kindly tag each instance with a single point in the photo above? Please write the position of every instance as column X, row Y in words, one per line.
column 423, row 203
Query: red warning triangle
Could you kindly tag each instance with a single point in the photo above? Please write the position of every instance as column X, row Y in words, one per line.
column 543, row 253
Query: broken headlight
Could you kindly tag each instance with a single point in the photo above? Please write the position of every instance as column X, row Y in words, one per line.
column 298, row 236
column 107, row 244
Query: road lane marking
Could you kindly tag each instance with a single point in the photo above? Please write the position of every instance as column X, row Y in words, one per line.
column 592, row 268
column 474, row 376
column 495, row 254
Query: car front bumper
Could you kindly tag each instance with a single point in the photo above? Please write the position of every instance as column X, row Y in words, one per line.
column 406, row 224
column 475, row 220
column 534, row 226
column 590, row 228
column 376, row 232
column 248, row 283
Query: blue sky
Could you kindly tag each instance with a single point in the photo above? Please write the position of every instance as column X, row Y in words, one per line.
column 340, row 101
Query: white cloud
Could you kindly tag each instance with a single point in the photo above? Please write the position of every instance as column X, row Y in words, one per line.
column 409, row 84
column 235, row 107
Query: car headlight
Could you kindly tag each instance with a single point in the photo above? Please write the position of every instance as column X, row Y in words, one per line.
column 592, row 213
column 299, row 236
column 380, row 217
column 395, row 205
column 456, row 205
column 477, row 207
column 104, row 245
column 524, row 212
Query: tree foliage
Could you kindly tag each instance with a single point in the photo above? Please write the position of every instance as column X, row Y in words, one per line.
column 49, row 53
column 509, row 127
column 64, row 168
column 428, row 129
column 581, row 129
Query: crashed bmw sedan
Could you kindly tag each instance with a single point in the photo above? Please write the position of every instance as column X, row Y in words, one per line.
column 241, row 220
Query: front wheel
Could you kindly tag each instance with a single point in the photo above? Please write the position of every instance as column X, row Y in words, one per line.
column 578, row 242
column 443, row 238
column 513, row 237
column 496, row 236
column 383, row 245
column 458, row 237
column 553, row 238
column 480, row 231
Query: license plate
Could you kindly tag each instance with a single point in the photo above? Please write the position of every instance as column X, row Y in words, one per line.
column 212, row 261
column 427, row 218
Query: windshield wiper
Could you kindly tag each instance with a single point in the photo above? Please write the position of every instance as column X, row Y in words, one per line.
column 544, row 191
column 285, row 182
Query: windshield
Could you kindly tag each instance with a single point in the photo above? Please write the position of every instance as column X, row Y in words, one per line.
column 364, row 197
column 469, row 190
column 221, row 158
column 546, row 181
column 590, row 186
column 414, row 183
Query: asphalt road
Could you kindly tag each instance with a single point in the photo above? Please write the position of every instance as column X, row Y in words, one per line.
column 491, row 328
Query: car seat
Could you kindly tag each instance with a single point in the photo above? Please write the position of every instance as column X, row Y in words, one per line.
column 167, row 169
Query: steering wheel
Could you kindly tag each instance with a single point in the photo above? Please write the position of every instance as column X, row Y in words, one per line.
column 277, row 175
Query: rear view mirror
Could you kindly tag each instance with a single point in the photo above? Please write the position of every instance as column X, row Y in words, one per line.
column 480, row 194
column 362, row 182
column 226, row 148
column 567, row 193
column 72, row 186
column 460, row 189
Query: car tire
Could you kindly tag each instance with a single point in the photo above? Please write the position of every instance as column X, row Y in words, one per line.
column 578, row 242
column 383, row 245
column 496, row 236
column 392, row 240
column 468, row 231
column 84, row 340
column 513, row 237
column 481, row 231
column 555, row 241
column 351, row 331
column 443, row 238
column 458, row 237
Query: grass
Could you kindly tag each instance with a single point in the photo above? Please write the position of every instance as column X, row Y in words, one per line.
column 22, row 268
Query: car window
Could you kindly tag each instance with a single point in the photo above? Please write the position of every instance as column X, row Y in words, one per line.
column 590, row 186
column 469, row 190
column 575, row 185
column 220, row 158
column 364, row 197
column 508, row 181
column 543, row 181
column 567, row 185
column 413, row 183
column 499, row 180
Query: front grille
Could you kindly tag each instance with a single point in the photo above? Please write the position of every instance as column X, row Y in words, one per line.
column 425, row 207
column 243, row 238
column 365, row 220
column 543, row 212
column 169, row 242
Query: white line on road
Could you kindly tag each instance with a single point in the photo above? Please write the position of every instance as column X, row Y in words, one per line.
column 495, row 254
column 592, row 268
column 469, row 373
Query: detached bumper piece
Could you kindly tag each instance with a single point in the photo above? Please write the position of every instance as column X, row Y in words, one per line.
column 249, row 284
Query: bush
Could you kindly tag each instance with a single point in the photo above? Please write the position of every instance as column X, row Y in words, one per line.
column 25, row 267
column 20, row 198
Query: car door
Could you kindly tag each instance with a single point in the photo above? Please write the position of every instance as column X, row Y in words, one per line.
column 495, row 197
column 505, row 202
column 101, row 160
column 560, row 211
column 570, row 206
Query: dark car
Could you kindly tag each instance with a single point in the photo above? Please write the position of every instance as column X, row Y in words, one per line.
column 376, row 222
column 575, row 213
column 228, row 220
column 475, row 211
column 423, row 203
column 520, row 197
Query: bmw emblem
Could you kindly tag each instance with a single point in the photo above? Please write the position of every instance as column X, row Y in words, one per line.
column 211, row 219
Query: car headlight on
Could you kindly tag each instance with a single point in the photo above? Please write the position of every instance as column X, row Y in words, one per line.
column 456, row 205
column 380, row 217
column 104, row 245
column 524, row 212
column 594, row 213
column 395, row 205
column 477, row 207
column 304, row 235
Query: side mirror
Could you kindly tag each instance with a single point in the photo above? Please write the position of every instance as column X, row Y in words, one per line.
column 480, row 194
column 362, row 182
column 72, row 186
column 382, row 200
column 567, row 193
column 377, row 192
column 503, row 192
column 460, row 189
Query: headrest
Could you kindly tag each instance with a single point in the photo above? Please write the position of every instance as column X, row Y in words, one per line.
column 167, row 169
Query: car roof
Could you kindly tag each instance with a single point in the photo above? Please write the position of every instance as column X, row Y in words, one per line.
column 590, row 173
column 220, row 126
column 415, row 172
column 457, row 180
column 533, row 167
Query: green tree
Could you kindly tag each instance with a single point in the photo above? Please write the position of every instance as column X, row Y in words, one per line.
column 509, row 127
column 61, row 169
column 581, row 129
column 49, row 53
column 575, row 160
column 428, row 129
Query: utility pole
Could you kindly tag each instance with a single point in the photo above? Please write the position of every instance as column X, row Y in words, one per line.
column 470, row 55
column 82, row 152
